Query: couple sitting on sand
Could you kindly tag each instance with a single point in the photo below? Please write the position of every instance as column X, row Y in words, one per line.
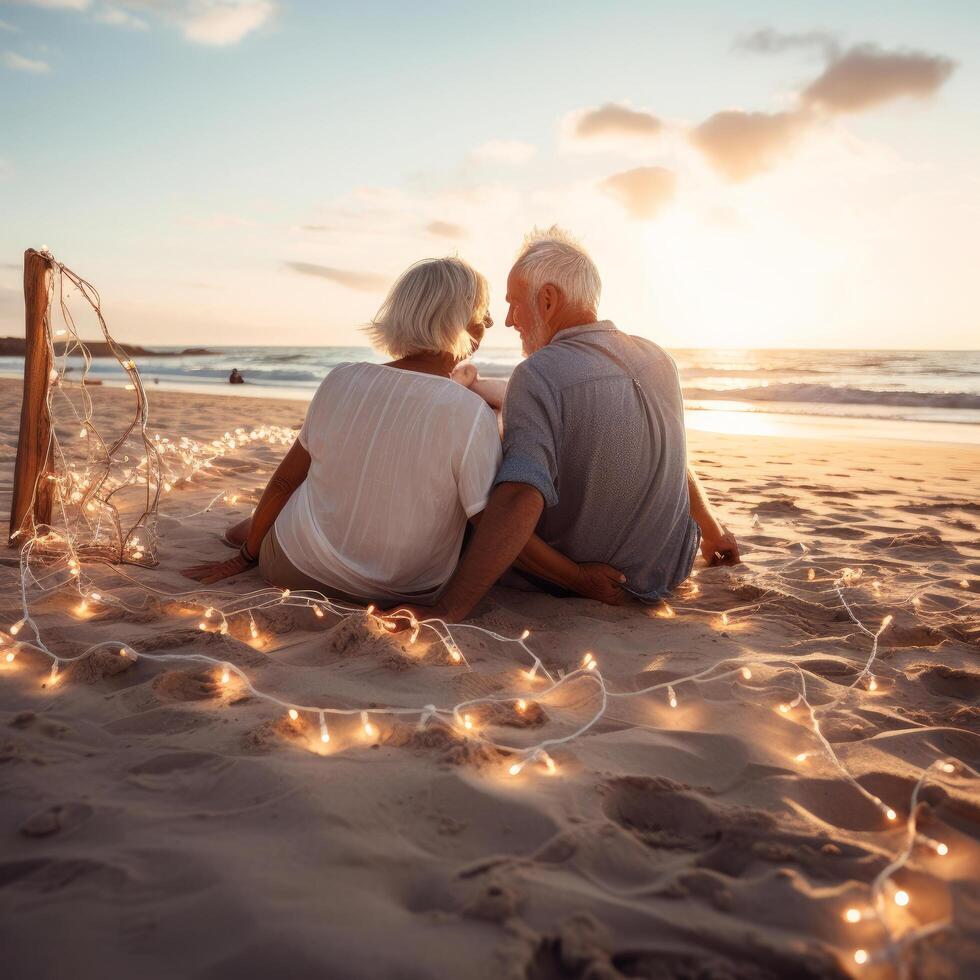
column 589, row 494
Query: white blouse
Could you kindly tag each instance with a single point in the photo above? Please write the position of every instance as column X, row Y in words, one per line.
column 399, row 461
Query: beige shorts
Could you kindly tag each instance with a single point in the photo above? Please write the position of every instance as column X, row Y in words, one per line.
column 279, row 571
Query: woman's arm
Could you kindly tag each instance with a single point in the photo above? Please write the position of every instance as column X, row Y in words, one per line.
column 289, row 474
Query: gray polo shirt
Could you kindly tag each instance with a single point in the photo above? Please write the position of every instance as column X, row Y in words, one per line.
column 595, row 422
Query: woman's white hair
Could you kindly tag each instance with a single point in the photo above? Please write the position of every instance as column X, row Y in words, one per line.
column 555, row 256
column 428, row 309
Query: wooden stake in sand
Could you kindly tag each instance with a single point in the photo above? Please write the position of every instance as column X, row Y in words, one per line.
column 32, row 492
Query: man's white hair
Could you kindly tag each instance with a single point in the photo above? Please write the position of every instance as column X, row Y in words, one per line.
column 555, row 256
column 428, row 309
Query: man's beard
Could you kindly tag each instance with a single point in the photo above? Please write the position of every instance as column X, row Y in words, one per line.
column 537, row 337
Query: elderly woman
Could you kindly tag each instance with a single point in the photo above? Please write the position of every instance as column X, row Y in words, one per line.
column 371, row 502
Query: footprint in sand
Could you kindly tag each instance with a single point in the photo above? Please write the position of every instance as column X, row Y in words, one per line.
column 61, row 818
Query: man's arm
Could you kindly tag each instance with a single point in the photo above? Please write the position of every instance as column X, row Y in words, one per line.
column 718, row 544
column 593, row 580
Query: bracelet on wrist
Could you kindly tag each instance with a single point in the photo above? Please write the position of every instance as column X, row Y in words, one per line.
column 244, row 553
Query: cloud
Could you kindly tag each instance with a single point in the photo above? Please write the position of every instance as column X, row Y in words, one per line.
column 865, row 76
column 61, row 4
column 617, row 120
column 643, row 191
column 769, row 41
column 445, row 229
column 118, row 17
column 368, row 282
column 4, row 26
column 17, row 62
column 741, row 144
column 212, row 22
column 509, row 152
column 221, row 22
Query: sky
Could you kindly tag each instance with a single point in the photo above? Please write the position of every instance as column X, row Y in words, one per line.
column 754, row 174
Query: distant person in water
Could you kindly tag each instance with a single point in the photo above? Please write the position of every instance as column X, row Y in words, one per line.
column 235, row 378
column 371, row 502
column 594, row 447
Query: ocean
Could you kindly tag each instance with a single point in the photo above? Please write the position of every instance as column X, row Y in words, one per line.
column 917, row 395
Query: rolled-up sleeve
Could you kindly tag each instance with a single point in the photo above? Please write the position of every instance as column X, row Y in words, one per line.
column 532, row 418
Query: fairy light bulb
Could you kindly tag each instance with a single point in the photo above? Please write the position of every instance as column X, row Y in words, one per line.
column 9, row 656
column 324, row 734
column 941, row 849
column 666, row 612
column 369, row 730
column 318, row 612
column 53, row 677
column 746, row 673
column 948, row 767
column 369, row 611
column 96, row 597
column 587, row 659
column 784, row 708
column 15, row 629
column 285, row 594
column 801, row 757
column 83, row 606
column 964, row 584
column 886, row 621
column 852, row 915
column 890, row 813
column 225, row 675
column 454, row 654
column 123, row 652
column 515, row 769
column 253, row 629
column 525, row 634
column 209, row 612
column 860, row 956
column 467, row 722
column 521, row 705
column 811, row 574
column 223, row 629
column 724, row 619
column 415, row 633
column 202, row 625
column 901, row 898
column 549, row 762
column 293, row 714
column 872, row 683
column 671, row 697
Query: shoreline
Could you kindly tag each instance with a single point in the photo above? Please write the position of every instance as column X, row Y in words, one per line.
column 718, row 421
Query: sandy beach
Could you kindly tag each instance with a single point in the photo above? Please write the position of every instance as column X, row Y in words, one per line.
column 155, row 822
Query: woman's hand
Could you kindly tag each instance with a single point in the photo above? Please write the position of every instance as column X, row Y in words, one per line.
column 215, row 571
column 600, row 582
column 464, row 374
column 720, row 548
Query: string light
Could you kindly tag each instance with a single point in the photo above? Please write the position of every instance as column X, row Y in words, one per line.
column 860, row 956
column 901, row 898
column 82, row 488
column 671, row 697
column 853, row 915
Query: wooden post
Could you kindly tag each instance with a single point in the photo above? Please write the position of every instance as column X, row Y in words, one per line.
column 32, row 491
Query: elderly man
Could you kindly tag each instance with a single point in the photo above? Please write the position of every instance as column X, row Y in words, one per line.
column 595, row 455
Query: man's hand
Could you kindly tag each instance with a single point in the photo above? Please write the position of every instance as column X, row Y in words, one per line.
column 400, row 618
column 600, row 582
column 720, row 548
column 215, row 571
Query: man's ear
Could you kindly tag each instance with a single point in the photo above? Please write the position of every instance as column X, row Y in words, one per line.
column 548, row 298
